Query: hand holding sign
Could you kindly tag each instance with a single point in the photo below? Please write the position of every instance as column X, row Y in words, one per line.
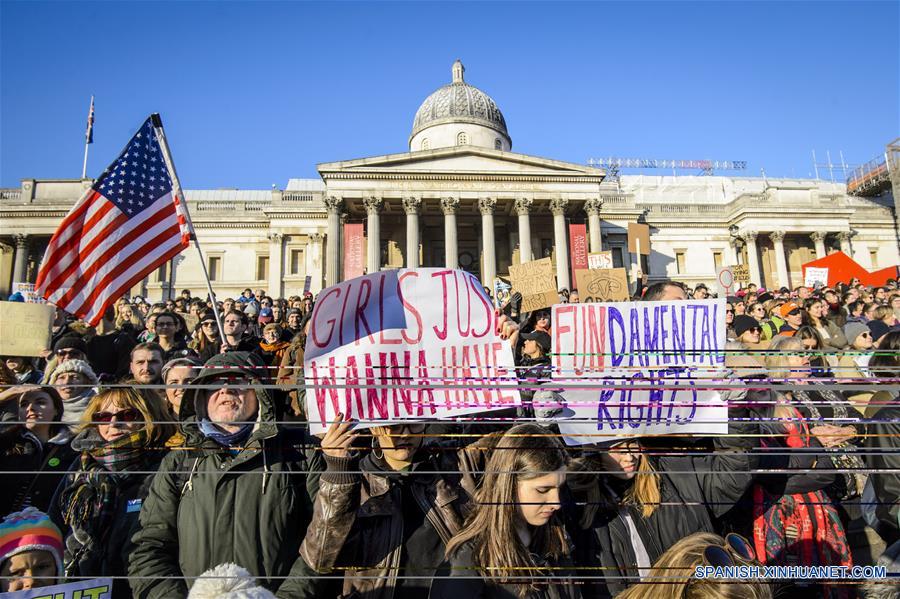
column 338, row 438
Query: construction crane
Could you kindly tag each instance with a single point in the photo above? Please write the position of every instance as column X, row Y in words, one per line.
column 707, row 167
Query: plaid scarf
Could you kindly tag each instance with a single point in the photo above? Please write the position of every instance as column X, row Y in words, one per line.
column 89, row 501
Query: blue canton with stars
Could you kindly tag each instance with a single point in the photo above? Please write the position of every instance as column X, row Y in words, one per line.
column 138, row 177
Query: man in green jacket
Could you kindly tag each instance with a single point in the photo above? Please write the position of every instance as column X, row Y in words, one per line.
column 234, row 493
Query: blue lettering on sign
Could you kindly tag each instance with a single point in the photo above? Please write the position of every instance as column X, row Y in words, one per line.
column 133, row 505
column 617, row 353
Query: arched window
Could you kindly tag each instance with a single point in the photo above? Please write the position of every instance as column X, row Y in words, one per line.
column 498, row 145
column 426, row 144
column 462, row 139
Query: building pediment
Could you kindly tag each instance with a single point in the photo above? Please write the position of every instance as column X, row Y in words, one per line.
column 461, row 161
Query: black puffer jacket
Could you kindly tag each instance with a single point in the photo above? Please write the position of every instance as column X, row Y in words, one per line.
column 35, row 469
column 210, row 505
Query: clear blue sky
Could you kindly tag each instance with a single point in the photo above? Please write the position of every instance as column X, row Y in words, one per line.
column 255, row 93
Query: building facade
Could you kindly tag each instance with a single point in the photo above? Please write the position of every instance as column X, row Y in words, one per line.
column 460, row 197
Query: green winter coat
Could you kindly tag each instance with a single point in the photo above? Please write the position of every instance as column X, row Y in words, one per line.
column 208, row 507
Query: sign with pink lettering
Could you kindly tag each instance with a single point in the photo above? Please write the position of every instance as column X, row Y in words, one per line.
column 634, row 369
column 406, row 345
column 354, row 246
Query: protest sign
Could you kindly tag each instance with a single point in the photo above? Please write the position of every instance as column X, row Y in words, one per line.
column 638, row 368
column 741, row 273
column 639, row 239
column 28, row 292
column 724, row 280
column 406, row 345
column 536, row 282
column 97, row 588
column 600, row 260
column 814, row 276
column 501, row 292
column 602, row 285
column 26, row 328
column 354, row 246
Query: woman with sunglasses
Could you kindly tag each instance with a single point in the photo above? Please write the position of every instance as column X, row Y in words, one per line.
column 821, row 358
column 514, row 543
column 653, row 494
column 673, row 574
column 382, row 516
column 122, row 441
column 853, row 365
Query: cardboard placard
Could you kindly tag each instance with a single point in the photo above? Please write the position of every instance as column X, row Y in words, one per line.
column 741, row 273
column 26, row 328
column 98, row 588
column 536, row 282
column 638, row 231
column 815, row 276
column 602, row 285
column 406, row 345
column 638, row 368
column 600, row 260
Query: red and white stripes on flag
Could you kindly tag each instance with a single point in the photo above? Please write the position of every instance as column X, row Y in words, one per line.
column 124, row 227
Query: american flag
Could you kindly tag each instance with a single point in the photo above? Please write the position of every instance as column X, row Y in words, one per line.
column 125, row 225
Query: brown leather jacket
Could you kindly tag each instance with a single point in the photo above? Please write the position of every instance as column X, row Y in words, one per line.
column 358, row 520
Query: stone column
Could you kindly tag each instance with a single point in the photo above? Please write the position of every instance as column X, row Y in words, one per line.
column 333, row 207
column 315, row 250
column 777, row 238
column 523, row 207
column 451, row 248
column 818, row 238
column 558, row 208
column 489, row 268
column 21, row 260
column 592, row 207
column 411, row 207
column 276, row 262
column 749, row 238
column 843, row 237
column 373, row 233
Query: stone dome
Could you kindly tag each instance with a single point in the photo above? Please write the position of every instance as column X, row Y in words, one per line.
column 460, row 103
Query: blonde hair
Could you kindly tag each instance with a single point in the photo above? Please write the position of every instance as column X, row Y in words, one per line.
column 673, row 575
column 154, row 411
column 524, row 452
column 776, row 358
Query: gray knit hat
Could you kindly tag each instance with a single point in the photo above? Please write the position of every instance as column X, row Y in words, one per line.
column 79, row 366
column 852, row 330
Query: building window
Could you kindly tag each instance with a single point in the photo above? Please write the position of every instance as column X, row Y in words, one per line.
column 215, row 268
column 680, row 264
column 162, row 273
column 873, row 258
column 717, row 260
column 498, row 145
column 462, row 139
column 262, row 268
column 297, row 261
column 426, row 144
column 618, row 260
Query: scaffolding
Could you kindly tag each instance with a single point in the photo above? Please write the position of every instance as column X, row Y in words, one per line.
column 875, row 176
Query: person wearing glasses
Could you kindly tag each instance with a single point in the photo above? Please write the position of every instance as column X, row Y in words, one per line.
column 674, row 574
column 853, row 365
column 792, row 315
column 234, row 491
column 234, row 325
column 383, row 514
column 170, row 335
column 121, row 441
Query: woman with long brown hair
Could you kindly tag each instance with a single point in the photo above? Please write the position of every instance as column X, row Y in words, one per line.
column 514, row 544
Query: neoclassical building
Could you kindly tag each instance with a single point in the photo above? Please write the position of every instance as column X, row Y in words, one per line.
column 459, row 196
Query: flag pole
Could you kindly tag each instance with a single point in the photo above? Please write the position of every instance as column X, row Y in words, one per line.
column 179, row 198
column 88, row 138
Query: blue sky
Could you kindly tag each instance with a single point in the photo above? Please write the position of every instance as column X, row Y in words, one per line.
column 253, row 93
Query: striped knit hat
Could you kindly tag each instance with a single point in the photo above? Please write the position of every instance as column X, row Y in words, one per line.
column 30, row 530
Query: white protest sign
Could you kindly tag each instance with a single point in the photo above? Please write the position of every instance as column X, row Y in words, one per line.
column 28, row 292
column 598, row 260
column 725, row 280
column 97, row 588
column 815, row 276
column 638, row 368
column 406, row 345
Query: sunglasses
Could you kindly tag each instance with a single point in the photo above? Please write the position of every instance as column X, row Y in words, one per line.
column 414, row 428
column 126, row 415
column 209, row 325
column 62, row 353
column 793, row 313
column 231, row 381
column 729, row 311
column 736, row 547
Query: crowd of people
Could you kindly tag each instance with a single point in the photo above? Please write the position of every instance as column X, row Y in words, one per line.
column 175, row 458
